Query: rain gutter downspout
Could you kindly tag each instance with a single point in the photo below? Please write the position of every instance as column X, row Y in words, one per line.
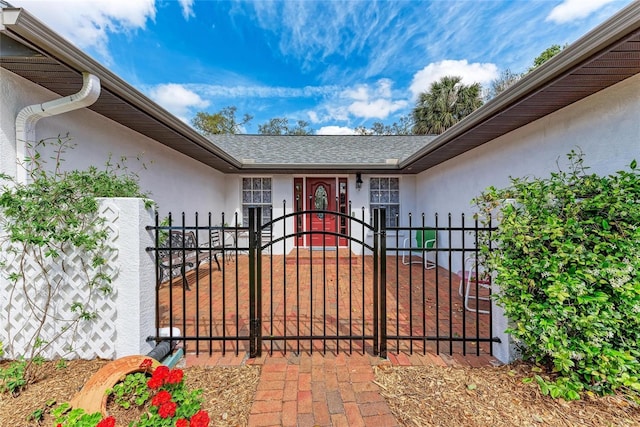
column 28, row 117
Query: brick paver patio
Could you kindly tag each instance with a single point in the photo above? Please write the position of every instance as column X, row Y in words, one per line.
column 323, row 297
column 307, row 386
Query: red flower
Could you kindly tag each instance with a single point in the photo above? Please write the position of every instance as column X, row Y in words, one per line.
column 167, row 409
column 182, row 423
column 146, row 364
column 107, row 422
column 200, row 419
column 175, row 376
column 154, row 383
column 162, row 397
column 161, row 372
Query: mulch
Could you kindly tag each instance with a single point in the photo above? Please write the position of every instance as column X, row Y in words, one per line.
column 488, row 396
column 228, row 392
column 417, row 396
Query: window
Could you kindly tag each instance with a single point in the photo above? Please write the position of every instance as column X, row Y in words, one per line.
column 256, row 192
column 342, row 203
column 385, row 193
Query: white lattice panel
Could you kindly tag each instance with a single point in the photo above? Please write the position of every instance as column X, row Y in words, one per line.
column 22, row 305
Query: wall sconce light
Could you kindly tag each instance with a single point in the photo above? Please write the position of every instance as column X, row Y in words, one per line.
column 358, row 181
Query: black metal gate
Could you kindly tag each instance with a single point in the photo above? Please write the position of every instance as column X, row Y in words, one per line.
column 318, row 298
column 351, row 293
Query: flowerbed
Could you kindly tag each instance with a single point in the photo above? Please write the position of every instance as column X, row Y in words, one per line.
column 161, row 399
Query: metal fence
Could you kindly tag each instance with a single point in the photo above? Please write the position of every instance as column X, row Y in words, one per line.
column 342, row 284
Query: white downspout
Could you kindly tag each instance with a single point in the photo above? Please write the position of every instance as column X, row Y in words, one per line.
column 28, row 117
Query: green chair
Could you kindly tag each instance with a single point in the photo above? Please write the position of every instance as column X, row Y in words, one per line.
column 425, row 241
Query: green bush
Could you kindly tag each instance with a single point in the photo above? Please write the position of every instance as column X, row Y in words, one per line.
column 47, row 219
column 566, row 257
column 12, row 377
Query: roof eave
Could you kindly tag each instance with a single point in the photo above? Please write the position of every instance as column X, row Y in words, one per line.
column 305, row 167
column 621, row 25
column 18, row 21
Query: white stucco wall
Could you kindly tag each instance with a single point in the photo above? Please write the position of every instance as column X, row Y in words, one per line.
column 135, row 283
column 176, row 182
column 10, row 103
column 605, row 126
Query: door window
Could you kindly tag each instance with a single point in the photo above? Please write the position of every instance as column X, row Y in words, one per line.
column 320, row 200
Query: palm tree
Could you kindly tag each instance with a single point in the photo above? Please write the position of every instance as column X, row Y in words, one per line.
column 445, row 104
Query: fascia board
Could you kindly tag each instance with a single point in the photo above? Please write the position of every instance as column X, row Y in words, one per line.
column 606, row 35
column 18, row 21
column 308, row 166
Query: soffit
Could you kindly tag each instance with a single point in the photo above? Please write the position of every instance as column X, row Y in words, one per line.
column 604, row 69
column 62, row 79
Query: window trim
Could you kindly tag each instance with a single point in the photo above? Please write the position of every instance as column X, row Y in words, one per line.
column 377, row 205
column 245, row 219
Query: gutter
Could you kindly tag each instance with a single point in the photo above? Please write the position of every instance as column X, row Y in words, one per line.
column 618, row 27
column 315, row 167
column 19, row 22
column 28, row 117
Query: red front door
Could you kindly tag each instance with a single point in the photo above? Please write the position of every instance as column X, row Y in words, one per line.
column 321, row 196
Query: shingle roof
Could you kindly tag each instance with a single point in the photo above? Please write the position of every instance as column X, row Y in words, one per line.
column 321, row 150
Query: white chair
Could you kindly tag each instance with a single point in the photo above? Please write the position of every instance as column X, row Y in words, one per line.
column 468, row 280
column 266, row 238
column 426, row 240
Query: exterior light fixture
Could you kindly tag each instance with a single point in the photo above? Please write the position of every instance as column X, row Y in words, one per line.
column 358, row 181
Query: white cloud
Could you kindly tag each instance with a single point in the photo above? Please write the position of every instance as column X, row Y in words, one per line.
column 177, row 99
column 476, row 72
column 87, row 23
column 570, row 10
column 187, row 9
column 240, row 91
column 373, row 102
column 376, row 109
column 313, row 116
column 335, row 130
column 334, row 111
column 332, row 103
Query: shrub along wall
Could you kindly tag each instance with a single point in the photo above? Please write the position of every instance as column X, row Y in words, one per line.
column 567, row 263
column 76, row 280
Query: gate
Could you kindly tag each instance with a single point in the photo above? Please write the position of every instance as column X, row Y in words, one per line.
column 314, row 298
column 255, row 288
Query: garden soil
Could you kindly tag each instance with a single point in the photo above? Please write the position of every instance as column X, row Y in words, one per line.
column 418, row 396
column 227, row 392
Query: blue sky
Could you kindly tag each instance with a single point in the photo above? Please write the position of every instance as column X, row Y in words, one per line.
column 335, row 64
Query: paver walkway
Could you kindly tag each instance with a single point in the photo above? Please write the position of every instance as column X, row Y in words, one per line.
column 310, row 390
